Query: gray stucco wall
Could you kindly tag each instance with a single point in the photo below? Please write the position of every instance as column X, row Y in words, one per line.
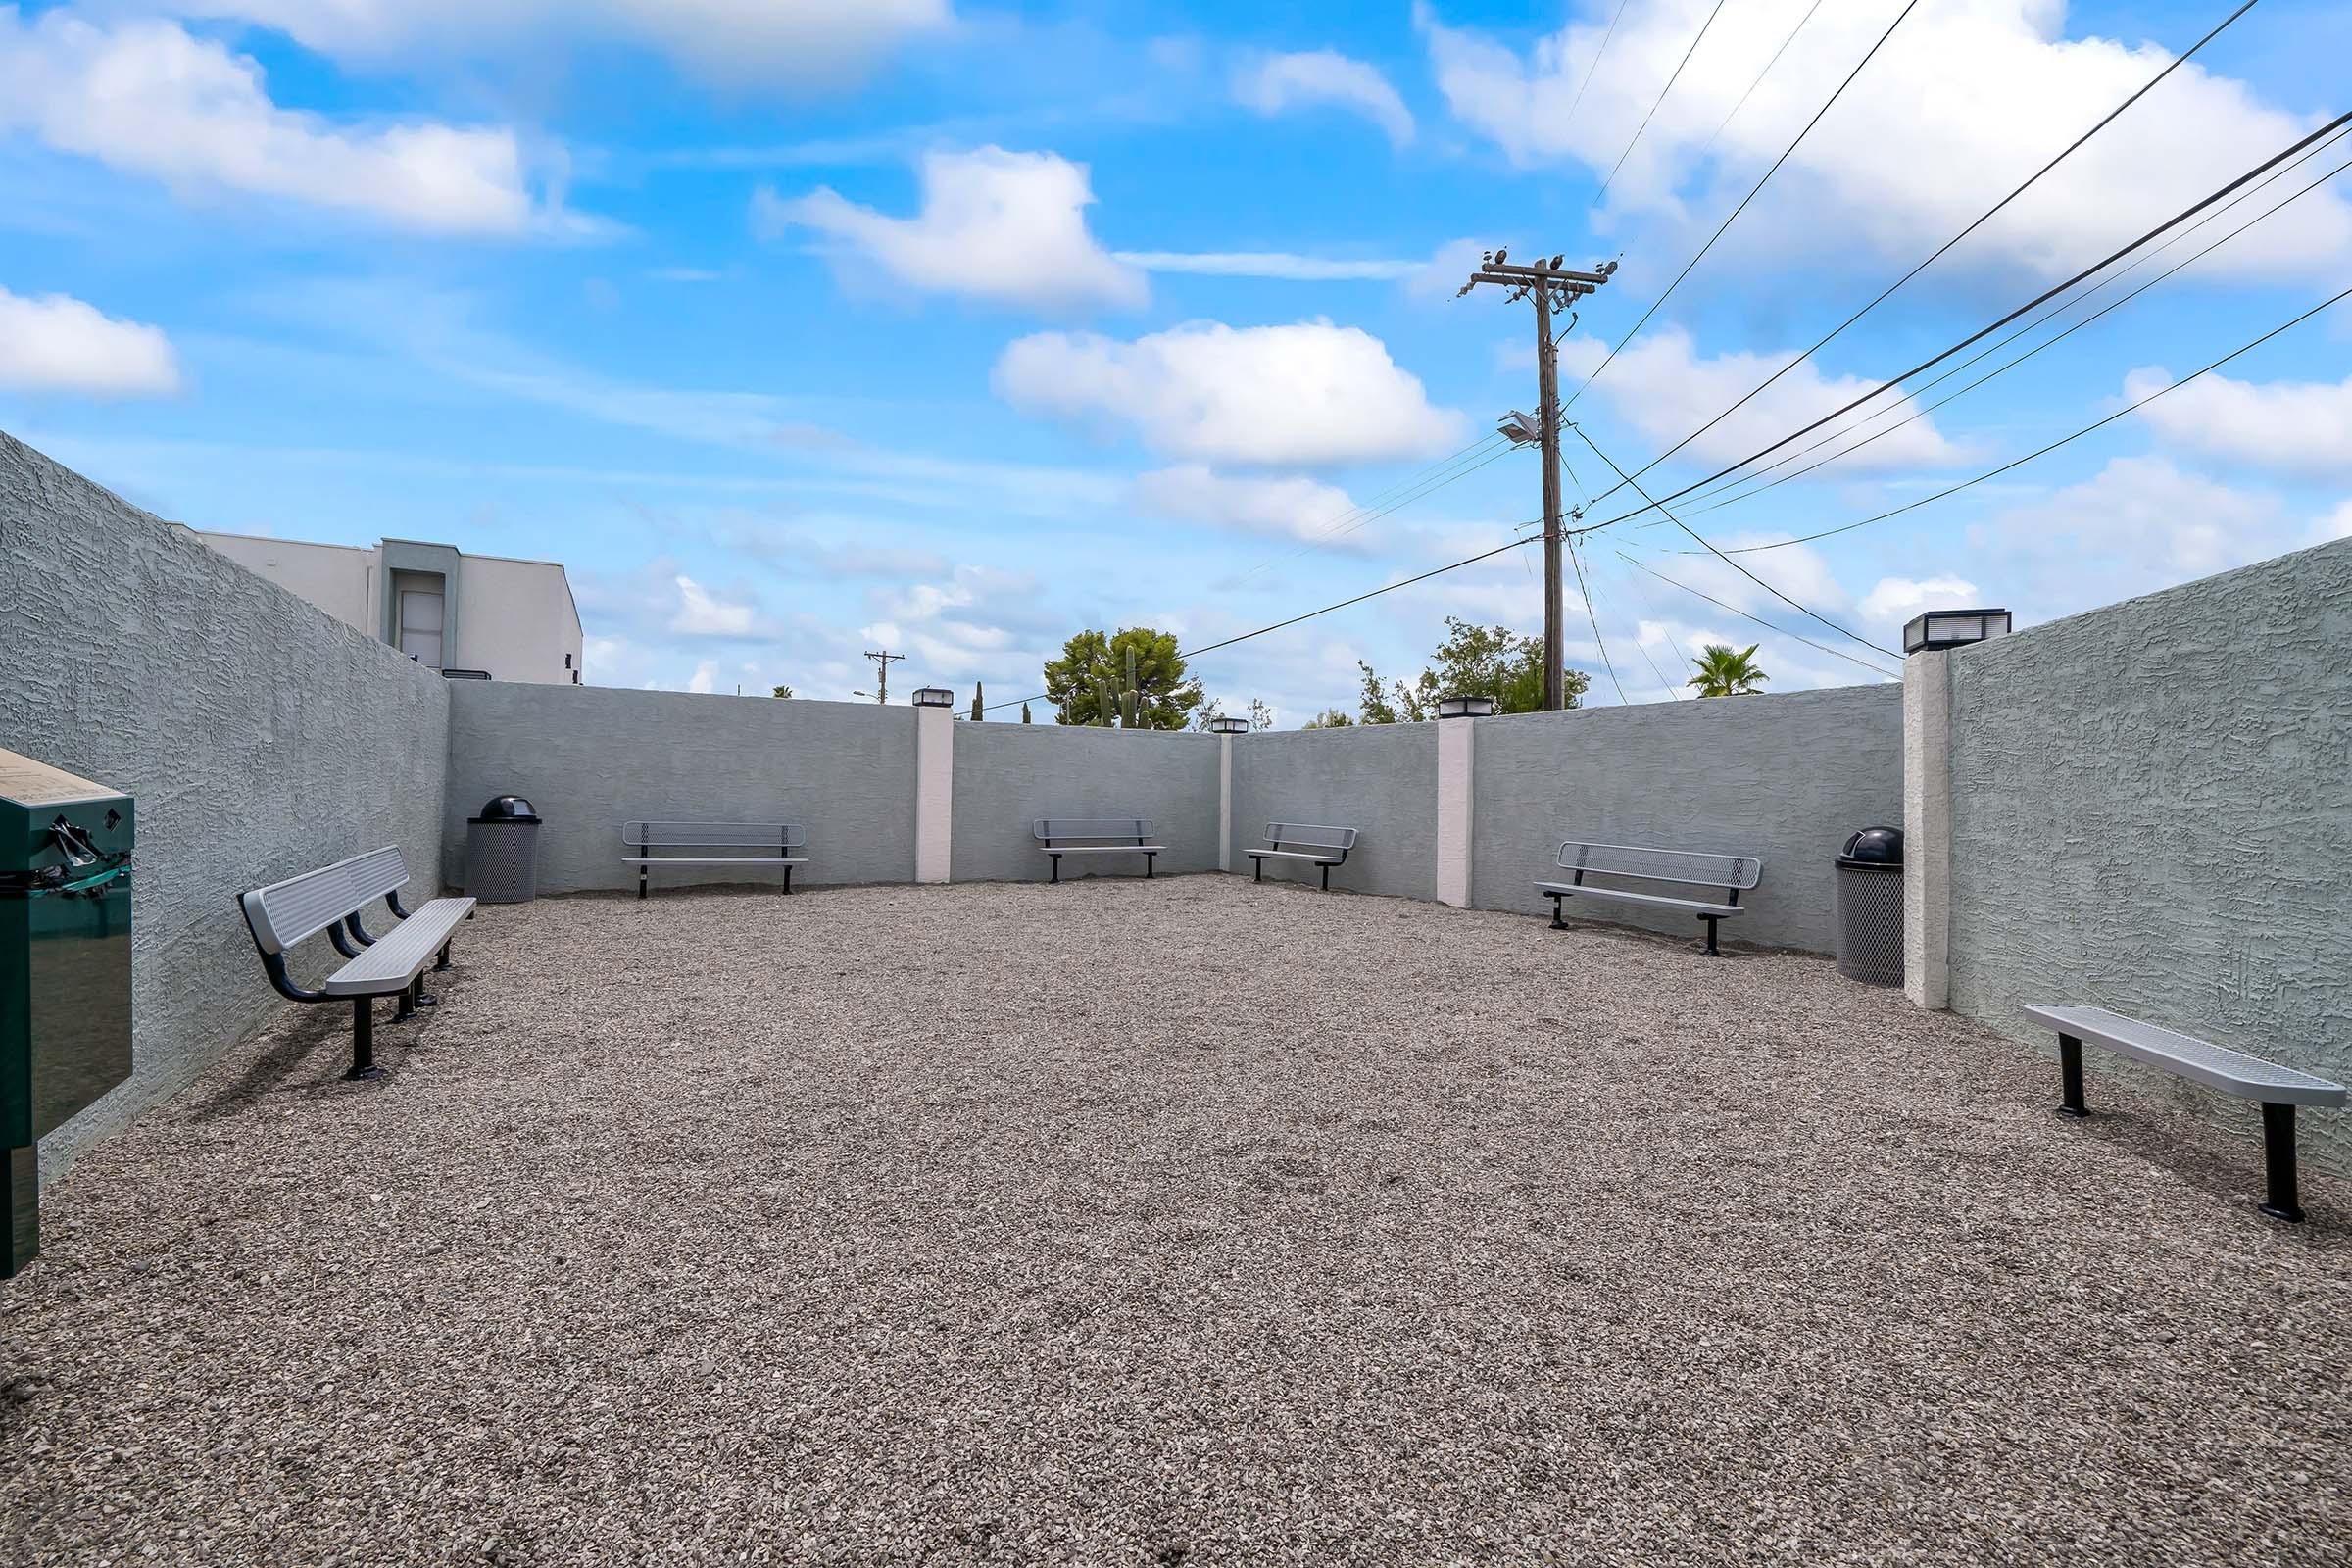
column 1782, row 777
column 1380, row 779
column 1007, row 774
column 591, row 757
column 259, row 736
column 2152, row 813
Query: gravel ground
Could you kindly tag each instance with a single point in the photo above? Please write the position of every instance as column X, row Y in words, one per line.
column 1180, row 1222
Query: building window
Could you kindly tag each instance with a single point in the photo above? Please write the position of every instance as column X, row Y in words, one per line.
column 566, row 661
column 420, row 626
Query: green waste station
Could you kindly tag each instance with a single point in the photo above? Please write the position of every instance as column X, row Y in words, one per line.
column 64, row 970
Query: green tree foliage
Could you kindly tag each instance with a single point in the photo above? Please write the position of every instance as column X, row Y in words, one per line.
column 783, row 691
column 1472, row 661
column 1329, row 719
column 1725, row 673
column 1133, row 679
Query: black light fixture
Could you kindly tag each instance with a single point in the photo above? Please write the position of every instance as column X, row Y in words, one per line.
column 1222, row 725
column 933, row 697
column 1953, row 628
column 1465, row 707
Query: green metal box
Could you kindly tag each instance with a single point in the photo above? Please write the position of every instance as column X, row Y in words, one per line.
column 65, row 969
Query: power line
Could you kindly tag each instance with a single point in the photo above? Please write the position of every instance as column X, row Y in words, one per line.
column 1922, row 411
column 1745, row 200
column 1984, row 332
column 1595, row 65
column 1801, row 23
column 1661, row 98
column 1721, row 555
column 1591, row 616
column 1981, row 220
column 1641, row 646
column 1848, row 528
column 1363, row 512
column 1834, row 653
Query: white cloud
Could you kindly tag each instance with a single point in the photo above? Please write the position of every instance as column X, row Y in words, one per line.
column 1666, row 389
column 979, row 621
column 58, row 344
column 1276, row 83
column 2295, row 426
column 807, row 44
column 2139, row 524
column 1283, row 266
column 147, row 98
column 706, row 677
column 2337, row 524
column 1306, row 394
column 994, row 226
column 1896, row 600
column 1288, row 505
column 701, row 613
column 1963, row 103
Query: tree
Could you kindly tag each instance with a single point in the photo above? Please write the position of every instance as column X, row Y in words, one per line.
column 783, row 691
column 977, row 702
column 1472, row 661
column 1724, row 674
column 1024, row 712
column 1329, row 719
column 1134, row 679
column 1260, row 716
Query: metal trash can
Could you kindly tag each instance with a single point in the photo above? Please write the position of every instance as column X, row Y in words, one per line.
column 1870, row 907
column 501, row 851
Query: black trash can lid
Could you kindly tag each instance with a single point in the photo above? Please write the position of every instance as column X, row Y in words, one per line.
column 506, row 809
column 1874, row 849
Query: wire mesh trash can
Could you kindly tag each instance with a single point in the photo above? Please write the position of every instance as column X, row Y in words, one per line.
column 1870, row 907
column 501, row 851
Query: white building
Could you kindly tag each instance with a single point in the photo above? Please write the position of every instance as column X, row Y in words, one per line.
column 478, row 616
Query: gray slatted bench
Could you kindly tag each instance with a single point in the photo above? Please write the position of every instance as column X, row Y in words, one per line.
column 1325, row 847
column 392, row 964
column 1137, row 829
column 2279, row 1089
column 756, row 846
column 1733, row 874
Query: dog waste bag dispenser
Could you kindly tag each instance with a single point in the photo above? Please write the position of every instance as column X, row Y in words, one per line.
column 64, row 970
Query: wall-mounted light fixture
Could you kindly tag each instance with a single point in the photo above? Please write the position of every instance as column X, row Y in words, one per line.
column 1953, row 628
column 1465, row 707
column 933, row 697
column 1222, row 725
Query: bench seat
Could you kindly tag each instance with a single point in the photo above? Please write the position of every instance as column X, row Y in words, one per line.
column 2280, row 1089
column 757, row 845
column 392, row 962
column 1135, row 832
column 714, row 859
column 1664, row 901
column 1318, row 844
column 1107, row 848
column 1637, row 862
column 1297, row 855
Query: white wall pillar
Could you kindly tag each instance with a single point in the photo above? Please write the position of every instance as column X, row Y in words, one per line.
column 1224, row 803
column 1927, row 828
column 1454, row 752
column 934, row 791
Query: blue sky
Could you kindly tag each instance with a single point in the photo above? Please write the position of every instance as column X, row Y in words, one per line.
column 796, row 329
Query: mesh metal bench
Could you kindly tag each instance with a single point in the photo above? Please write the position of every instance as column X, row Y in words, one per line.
column 1325, row 847
column 1733, row 874
column 1089, row 831
column 2280, row 1089
column 330, row 900
column 753, row 846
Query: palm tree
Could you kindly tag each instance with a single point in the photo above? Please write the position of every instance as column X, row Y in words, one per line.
column 1724, row 674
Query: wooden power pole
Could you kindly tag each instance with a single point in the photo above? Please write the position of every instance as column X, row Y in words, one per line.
column 883, row 660
column 1551, row 286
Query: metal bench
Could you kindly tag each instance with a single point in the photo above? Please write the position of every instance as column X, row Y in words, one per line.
column 1733, row 874
column 1046, row 829
column 1325, row 847
column 2279, row 1089
column 757, row 846
column 330, row 900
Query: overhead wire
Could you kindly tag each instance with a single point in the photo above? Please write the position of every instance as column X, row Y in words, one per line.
column 1656, row 102
column 1834, row 653
column 1592, row 617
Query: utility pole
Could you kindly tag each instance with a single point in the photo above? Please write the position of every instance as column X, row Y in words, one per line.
column 1551, row 286
column 883, row 660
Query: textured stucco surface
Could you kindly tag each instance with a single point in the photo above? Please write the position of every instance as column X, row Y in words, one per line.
column 1380, row 779
column 1782, row 777
column 2152, row 813
column 259, row 736
column 1006, row 775
column 591, row 757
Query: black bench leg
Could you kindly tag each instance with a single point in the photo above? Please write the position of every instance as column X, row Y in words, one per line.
column 363, row 1039
column 788, row 881
column 1149, row 860
column 1257, row 870
column 1057, row 862
column 2278, row 1163
column 1327, row 879
column 1557, row 924
column 443, row 962
column 425, row 997
column 408, row 1003
column 640, row 870
column 1713, row 952
column 2070, row 1077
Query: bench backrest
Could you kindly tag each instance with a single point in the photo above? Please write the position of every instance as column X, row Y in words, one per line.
column 286, row 912
column 776, row 836
column 1694, row 868
column 1047, row 828
column 1308, row 835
